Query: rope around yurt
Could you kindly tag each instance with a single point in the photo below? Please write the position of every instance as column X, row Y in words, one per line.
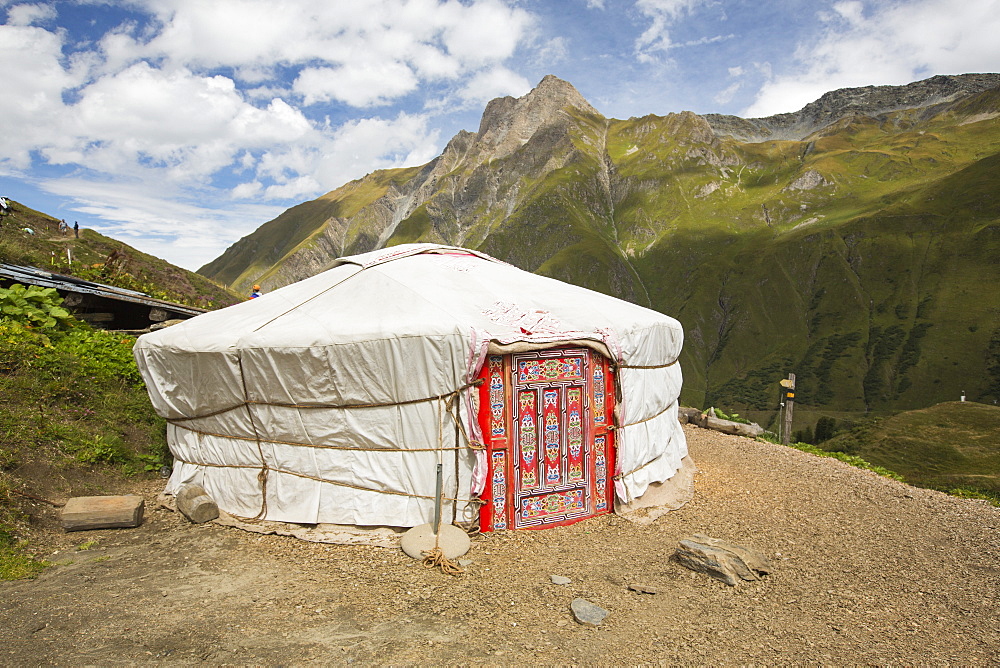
column 434, row 558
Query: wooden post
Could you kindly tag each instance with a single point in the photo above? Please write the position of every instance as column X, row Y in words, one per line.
column 789, row 394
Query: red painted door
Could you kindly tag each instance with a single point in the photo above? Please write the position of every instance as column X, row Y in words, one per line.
column 545, row 418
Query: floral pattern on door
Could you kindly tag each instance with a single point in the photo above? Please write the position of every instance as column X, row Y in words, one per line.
column 545, row 418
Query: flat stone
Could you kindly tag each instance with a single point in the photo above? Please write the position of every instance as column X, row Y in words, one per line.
column 587, row 613
column 754, row 560
column 82, row 513
column 721, row 560
column 196, row 505
column 559, row 579
column 452, row 540
column 643, row 589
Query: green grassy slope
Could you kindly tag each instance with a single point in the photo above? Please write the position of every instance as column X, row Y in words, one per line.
column 946, row 446
column 857, row 258
column 254, row 258
column 46, row 248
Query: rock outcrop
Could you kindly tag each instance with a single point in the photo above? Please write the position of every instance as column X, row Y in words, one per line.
column 865, row 101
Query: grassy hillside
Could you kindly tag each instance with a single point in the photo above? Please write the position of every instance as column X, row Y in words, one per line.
column 952, row 446
column 855, row 258
column 256, row 258
column 102, row 259
column 74, row 421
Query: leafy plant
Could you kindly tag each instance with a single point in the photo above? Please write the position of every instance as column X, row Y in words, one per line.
column 102, row 450
column 34, row 306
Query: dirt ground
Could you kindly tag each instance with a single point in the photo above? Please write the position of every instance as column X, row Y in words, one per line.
column 865, row 571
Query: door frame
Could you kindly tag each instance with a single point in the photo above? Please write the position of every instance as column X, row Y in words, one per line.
column 497, row 409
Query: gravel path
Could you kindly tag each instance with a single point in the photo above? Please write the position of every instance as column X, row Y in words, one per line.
column 866, row 570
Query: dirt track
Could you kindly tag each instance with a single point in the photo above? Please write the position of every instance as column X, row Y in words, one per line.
column 866, row 570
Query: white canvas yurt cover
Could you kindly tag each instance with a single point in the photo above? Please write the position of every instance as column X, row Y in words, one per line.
column 333, row 400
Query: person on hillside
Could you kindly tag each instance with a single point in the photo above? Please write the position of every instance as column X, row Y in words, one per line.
column 76, row 228
column 255, row 292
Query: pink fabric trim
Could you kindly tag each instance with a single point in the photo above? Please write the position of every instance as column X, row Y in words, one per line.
column 477, row 357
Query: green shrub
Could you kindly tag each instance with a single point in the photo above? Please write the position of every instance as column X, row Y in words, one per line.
column 34, row 306
column 102, row 449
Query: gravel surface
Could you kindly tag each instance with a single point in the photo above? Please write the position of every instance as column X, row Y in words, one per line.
column 865, row 571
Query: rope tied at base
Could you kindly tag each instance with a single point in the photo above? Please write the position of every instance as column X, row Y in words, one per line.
column 434, row 558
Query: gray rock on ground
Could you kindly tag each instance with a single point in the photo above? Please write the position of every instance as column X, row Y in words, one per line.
column 559, row 579
column 686, row 414
column 721, row 560
column 196, row 505
column 587, row 613
column 640, row 588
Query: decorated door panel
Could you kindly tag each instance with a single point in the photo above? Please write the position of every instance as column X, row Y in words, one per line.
column 545, row 418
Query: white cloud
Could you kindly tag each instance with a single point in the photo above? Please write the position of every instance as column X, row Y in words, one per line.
column 364, row 145
column 485, row 32
column 246, row 190
column 496, row 82
column 33, row 82
column 364, row 85
column 552, row 52
column 434, row 38
column 726, row 95
column 662, row 15
column 159, row 220
column 190, row 125
column 892, row 43
column 26, row 15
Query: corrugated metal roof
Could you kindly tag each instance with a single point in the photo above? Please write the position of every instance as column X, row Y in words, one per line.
column 45, row 279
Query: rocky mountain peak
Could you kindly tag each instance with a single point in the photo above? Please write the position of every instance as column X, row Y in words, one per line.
column 508, row 123
column 865, row 100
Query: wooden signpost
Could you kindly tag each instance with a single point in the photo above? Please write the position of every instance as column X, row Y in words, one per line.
column 788, row 394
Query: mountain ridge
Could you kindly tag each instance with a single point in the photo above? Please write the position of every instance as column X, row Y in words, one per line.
column 866, row 101
column 867, row 231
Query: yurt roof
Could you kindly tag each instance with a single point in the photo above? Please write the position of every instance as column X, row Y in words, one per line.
column 418, row 290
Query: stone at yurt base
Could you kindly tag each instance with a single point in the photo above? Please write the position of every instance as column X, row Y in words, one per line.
column 82, row 513
column 420, row 539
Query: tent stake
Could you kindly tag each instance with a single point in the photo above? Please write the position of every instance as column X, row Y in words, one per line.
column 437, row 502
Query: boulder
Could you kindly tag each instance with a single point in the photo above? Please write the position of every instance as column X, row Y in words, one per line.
column 721, row 560
column 686, row 414
column 587, row 613
column 196, row 505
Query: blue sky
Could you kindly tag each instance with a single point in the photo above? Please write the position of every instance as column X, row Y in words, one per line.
column 179, row 126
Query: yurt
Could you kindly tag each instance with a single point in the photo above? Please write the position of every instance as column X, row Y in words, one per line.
column 336, row 399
